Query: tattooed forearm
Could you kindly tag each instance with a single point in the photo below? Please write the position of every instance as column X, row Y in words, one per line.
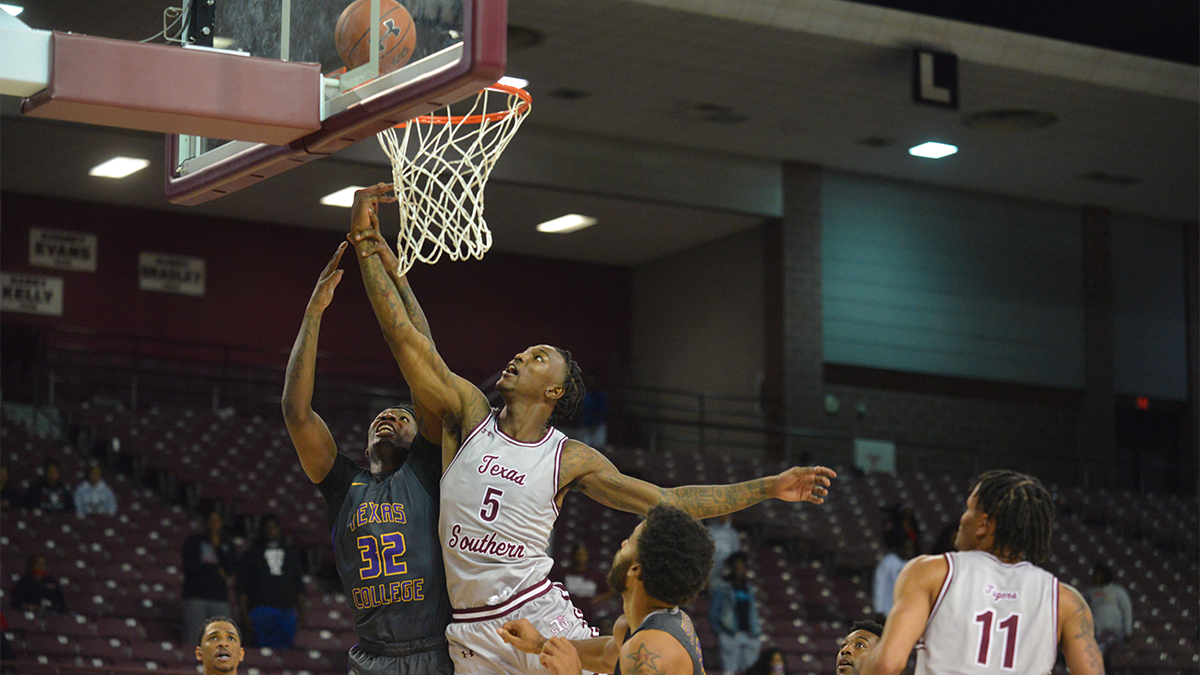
column 708, row 501
column 298, row 382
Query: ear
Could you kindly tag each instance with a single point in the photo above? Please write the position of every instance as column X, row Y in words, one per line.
column 555, row 392
column 199, row 654
column 636, row 570
column 987, row 527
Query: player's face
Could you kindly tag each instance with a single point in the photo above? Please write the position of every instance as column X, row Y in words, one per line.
column 967, row 537
column 623, row 560
column 220, row 648
column 853, row 649
column 533, row 371
column 396, row 424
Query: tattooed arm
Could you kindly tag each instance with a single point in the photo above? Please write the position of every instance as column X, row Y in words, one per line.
column 370, row 242
column 314, row 444
column 444, row 397
column 1077, row 633
column 916, row 591
column 586, row 470
column 655, row 652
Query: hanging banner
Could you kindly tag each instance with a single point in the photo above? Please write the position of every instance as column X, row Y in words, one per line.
column 31, row 294
column 169, row 273
column 62, row 249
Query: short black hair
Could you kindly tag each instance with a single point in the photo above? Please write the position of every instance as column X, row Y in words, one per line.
column 868, row 625
column 210, row 621
column 676, row 555
column 573, row 391
column 1022, row 509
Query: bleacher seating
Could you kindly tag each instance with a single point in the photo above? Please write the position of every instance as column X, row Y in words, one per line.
column 812, row 565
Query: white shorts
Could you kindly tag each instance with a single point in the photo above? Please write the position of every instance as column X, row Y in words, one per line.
column 475, row 643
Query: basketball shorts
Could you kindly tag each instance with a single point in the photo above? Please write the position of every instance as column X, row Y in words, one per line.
column 423, row 657
column 474, row 636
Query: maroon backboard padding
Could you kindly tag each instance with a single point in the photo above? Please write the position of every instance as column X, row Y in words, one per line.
column 485, row 42
column 151, row 87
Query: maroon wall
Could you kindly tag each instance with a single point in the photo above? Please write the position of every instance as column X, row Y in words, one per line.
column 259, row 277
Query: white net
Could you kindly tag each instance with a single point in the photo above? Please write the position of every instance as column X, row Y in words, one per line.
column 440, row 165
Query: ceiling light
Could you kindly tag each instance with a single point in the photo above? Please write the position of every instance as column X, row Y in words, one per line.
column 222, row 42
column 567, row 223
column 12, row 9
column 119, row 167
column 933, row 150
column 514, row 82
column 343, row 198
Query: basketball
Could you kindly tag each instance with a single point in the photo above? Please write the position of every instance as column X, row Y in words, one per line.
column 397, row 35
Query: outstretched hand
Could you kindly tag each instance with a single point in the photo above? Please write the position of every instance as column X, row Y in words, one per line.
column 804, row 484
column 364, row 214
column 322, row 295
column 371, row 242
column 522, row 635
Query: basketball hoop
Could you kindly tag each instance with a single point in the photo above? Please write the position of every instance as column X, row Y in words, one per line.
column 440, row 187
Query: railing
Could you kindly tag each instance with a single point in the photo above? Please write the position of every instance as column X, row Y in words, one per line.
column 130, row 371
column 705, row 422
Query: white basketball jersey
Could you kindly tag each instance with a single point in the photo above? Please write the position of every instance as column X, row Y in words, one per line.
column 991, row 617
column 497, row 513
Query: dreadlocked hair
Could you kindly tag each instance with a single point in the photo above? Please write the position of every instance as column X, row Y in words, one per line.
column 573, row 391
column 1022, row 510
column 676, row 555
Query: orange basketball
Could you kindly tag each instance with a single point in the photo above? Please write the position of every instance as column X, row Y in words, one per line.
column 397, row 35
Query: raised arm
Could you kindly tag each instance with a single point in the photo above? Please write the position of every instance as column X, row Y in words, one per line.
column 443, row 396
column 586, row 470
column 1077, row 633
column 916, row 590
column 314, row 444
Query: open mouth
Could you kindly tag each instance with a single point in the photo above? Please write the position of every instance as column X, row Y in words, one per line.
column 385, row 428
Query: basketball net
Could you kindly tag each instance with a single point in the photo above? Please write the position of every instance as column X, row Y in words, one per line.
column 439, row 187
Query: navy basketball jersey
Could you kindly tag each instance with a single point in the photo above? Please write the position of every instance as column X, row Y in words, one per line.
column 678, row 624
column 386, row 547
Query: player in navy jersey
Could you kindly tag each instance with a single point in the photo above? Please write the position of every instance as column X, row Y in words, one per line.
column 662, row 565
column 505, row 472
column 383, row 520
column 987, row 608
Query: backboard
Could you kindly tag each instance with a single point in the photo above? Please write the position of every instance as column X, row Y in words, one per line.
column 460, row 49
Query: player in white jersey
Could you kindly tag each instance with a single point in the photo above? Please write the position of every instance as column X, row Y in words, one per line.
column 506, row 472
column 988, row 608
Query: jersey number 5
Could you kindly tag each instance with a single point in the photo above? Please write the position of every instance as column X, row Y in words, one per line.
column 382, row 555
column 491, row 504
column 1009, row 626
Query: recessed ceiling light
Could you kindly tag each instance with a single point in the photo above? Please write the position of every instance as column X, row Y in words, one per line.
column 933, row 150
column 514, row 82
column 343, row 198
column 222, row 42
column 567, row 223
column 119, row 167
column 12, row 9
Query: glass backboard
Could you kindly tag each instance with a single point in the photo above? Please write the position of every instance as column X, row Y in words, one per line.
column 459, row 48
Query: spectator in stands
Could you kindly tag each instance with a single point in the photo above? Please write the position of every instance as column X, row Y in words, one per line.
column 209, row 560
column 726, row 539
column 734, row 617
column 899, row 550
column 771, row 662
column 50, row 493
column 1112, row 610
column 36, row 591
column 219, row 646
column 945, row 540
column 855, row 646
column 94, row 495
column 271, row 587
column 904, row 519
column 587, row 585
